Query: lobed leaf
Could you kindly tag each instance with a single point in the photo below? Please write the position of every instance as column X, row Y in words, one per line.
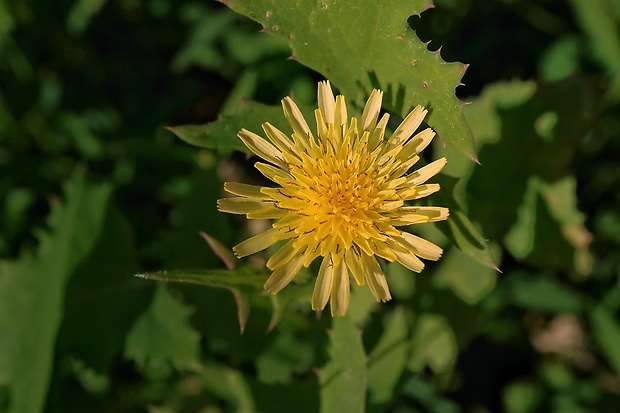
column 361, row 46
column 32, row 293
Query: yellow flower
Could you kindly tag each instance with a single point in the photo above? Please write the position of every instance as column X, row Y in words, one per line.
column 340, row 195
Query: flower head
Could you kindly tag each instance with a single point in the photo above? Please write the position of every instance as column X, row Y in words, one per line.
column 340, row 195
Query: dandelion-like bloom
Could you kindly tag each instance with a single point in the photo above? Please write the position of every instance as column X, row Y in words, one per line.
column 340, row 195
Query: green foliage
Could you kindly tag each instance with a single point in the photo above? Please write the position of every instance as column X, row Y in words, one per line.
column 364, row 47
column 344, row 379
column 33, row 291
column 94, row 190
column 163, row 334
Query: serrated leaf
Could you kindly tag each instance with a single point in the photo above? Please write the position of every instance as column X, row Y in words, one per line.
column 458, row 228
column 163, row 333
column 32, row 293
column 343, row 379
column 222, row 134
column 388, row 358
column 361, row 46
column 243, row 282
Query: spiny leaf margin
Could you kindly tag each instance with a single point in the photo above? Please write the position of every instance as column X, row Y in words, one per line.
column 361, row 46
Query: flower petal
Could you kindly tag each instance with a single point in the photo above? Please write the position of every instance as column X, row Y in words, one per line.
column 323, row 284
column 422, row 247
column 417, row 143
column 278, row 138
column 418, row 215
column 282, row 276
column 377, row 135
column 340, row 114
column 340, row 291
column 321, row 125
column 261, row 147
column 327, row 104
column 376, row 280
column 283, row 255
column 268, row 213
column 245, row 190
column 241, row 205
column 271, row 172
column 354, row 262
column 296, row 119
column 410, row 260
column 419, row 191
column 409, row 125
column 371, row 110
column 425, row 173
column 256, row 243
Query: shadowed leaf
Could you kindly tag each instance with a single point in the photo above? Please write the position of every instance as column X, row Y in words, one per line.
column 361, row 46
column 458, row 228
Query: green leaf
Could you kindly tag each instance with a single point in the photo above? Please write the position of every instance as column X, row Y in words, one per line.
column 364, row 46
column 466, row 278
column 343, row 379
column 283, row 357
column 222, row 134
column 184, row 248
column 458, row 228
column 543, row 293
column 103, row 296
column 433, row 344
column 561, row 200
column 32, row 292
column 422, row 392
column 543, row 128
column 243, row 282
column 163, row 333
column 230, row 385
column 388, row 358
column 599, row 20
column 606, row 329
column 546, row 246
